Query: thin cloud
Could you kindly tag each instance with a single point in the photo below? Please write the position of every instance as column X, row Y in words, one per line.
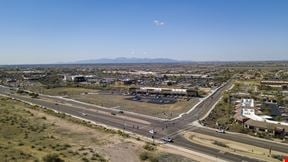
column 158, row 23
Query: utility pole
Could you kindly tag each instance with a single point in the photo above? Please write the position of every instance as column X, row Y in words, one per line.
column 270, row 151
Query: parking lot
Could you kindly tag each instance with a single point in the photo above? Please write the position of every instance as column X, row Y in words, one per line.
column 154, row 99
column 148, row 105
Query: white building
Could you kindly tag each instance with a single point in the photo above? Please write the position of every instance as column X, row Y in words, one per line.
column 247, row 103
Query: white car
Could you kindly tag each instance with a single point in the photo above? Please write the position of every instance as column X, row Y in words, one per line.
column 152, row 131
column 220, row 131
column 84, row 114
column 167, row 139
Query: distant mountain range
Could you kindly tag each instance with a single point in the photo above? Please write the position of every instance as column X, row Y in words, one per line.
column 124, row 60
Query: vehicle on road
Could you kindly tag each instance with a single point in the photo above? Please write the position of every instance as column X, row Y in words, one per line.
column 83, row 114
column 121, row 112
column 113, row 113
column 221, row 131
column 167, row 139
column 152, row 131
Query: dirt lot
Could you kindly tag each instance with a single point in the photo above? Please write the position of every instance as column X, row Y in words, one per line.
column 65, row 91
column 29, row 134
column 123, row 103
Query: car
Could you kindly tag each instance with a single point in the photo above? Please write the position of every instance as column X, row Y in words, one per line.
column 167, row 139
column 112, row 113
column 83, row 114
column 121, row 112
column 220, row 131
column 152, row 131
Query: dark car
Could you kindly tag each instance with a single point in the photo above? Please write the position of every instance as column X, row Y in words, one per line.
column 121, row 112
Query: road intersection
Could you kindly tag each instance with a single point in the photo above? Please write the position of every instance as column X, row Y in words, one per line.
column 142, row 124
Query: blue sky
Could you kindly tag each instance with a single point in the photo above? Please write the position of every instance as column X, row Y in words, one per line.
column 49, row 31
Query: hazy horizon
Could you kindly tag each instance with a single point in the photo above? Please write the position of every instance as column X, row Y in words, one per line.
column 48, row 32
column 176, row 62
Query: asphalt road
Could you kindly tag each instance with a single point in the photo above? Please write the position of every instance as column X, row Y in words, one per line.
column 211, row 151
column 141, row 124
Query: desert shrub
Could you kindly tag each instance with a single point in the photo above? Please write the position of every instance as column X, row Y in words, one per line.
column 148, row 156
column 278, row 157
column 52, row 158
column 98, row 158
column 220, row 144
column 85, row 159
column 149, row 147
column 144, row 156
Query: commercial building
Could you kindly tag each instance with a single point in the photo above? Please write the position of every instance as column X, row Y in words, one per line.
column 164, row 91
column 275, row 84
column 74, row 78
column 247, row 103
column 273, row 128
column 33, row 75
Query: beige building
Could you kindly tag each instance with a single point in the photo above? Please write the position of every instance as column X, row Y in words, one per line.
column 164, row 91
